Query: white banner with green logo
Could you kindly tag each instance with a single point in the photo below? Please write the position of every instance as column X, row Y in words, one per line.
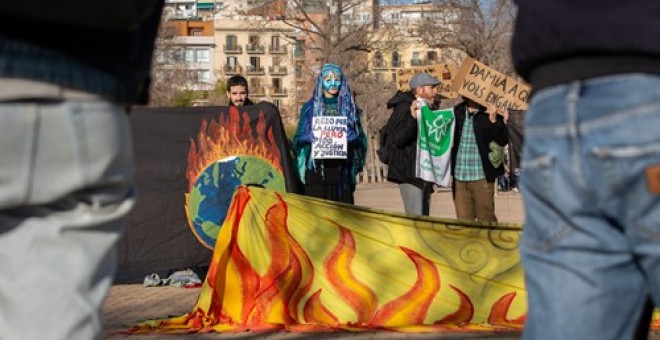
column 434, row 141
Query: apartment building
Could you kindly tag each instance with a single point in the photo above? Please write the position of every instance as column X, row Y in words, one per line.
column 401, row 51
column 185, row 47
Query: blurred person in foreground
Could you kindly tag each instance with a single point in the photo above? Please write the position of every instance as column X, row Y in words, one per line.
column 591, row 165
column 68, row 71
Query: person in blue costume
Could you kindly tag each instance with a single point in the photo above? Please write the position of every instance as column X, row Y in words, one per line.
column 330, row 178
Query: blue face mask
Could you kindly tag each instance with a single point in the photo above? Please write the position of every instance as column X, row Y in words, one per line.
column 331, row 80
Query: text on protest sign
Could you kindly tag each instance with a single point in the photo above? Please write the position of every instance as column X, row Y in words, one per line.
column 329, row 137
column 444, row 72
column 486, row 86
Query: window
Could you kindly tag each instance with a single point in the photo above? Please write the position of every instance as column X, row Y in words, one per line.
column 275, row 42
column 298, row 72
column 255, row 85
column 189, row 56
column 195, row 32
column 396, row 59
column 277, row 85
column 202, row 55
column 431, row 55
column 254, row 39
column 232, row 61
column 204, row 76
column 174, row 55
column 298, row 50
column 232, row 42
column 255, row 64
column 197, row 55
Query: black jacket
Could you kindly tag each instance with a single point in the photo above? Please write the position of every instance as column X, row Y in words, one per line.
column 557, row 41
column 403, row 136
column 82, row 45
column 484, row 132
column 247, row 102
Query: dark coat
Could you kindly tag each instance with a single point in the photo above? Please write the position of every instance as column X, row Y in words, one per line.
column 484, row 132
column 85, row 48
column 558, row 41
column 403, row 135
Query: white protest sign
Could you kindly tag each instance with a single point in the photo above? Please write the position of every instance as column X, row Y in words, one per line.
column 329, row 137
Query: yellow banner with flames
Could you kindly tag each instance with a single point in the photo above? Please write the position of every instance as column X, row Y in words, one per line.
column 285, row 261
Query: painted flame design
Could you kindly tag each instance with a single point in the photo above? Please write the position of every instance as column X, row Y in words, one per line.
column 235, row 297
column 227, row 137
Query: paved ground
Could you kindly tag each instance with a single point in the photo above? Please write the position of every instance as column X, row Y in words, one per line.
column 128, row 304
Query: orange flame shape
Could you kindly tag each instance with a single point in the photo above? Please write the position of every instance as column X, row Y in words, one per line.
column 227, row 137
column 464, row 313
column 411, row 307
column 315, row 312
column 358, row 295
column 288, row 278
column 500, row 310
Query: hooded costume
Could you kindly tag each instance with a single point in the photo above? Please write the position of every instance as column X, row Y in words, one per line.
column 332, row 179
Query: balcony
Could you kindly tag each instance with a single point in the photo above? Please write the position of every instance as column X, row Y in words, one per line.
column 398, row 63
column 280, row 49
column 193, row 40
column 232, row 49
column 254, row 70
column 279, row 92
column 419, row 62
column 232, row 69
column 379, row 65
column 277, row 70
column 254, row 49
column 257, row 91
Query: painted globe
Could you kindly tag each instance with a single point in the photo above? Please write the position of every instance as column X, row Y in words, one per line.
column 214, row 187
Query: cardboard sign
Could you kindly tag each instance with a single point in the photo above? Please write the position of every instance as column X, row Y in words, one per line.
column 486, row 86
column 444, row 72
column 329, row 137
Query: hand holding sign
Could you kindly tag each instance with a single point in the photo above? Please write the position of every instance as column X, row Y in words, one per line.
column 485, row 86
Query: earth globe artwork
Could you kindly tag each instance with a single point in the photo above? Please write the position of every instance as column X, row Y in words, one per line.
column 213, row 189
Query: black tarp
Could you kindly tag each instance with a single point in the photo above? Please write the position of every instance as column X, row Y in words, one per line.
column 158, row 238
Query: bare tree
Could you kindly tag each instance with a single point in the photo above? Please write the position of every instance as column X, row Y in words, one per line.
column 168, row 73
column 480, row 28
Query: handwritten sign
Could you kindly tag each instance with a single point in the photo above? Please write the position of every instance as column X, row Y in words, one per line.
column 329, row 137
column 444, row 72
column 486, row 86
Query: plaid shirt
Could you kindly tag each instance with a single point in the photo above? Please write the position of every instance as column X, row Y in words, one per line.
column 468, row 161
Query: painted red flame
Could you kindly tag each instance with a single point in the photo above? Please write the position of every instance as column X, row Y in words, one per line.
column 227, row 137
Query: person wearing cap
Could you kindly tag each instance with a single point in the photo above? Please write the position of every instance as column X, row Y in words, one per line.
column 402, row 143
column 474, row 173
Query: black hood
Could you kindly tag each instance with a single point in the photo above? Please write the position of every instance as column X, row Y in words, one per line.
column 400, row 97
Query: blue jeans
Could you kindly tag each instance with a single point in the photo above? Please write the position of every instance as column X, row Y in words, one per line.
column 591, row 240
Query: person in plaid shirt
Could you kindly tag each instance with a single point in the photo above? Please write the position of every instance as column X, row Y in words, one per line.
column 474, row 174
